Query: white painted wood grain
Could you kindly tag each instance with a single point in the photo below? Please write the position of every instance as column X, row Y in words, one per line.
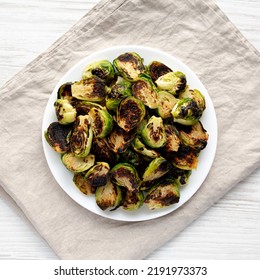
column 229, row 230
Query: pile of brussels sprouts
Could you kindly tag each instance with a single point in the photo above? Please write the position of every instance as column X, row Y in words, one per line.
column 130, row 133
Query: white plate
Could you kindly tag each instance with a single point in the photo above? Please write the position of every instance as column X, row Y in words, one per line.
column 64, row 177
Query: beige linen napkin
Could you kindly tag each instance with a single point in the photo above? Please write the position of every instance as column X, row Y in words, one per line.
column 200, row 35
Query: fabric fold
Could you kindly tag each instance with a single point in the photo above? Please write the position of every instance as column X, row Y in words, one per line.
column 196, row 32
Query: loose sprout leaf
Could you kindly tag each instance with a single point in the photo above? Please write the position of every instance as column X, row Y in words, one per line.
column 130, row 133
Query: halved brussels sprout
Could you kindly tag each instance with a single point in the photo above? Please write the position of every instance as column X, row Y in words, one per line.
column 91, row 89
column 185, row 158
column 156, row 169
column 133, row 201
column 65, row 112
column 153, row 134
column 164, row 193
column 180, row 176
column 119, row 140
column 101, row 122
column 186, row 111
column 140, row 148
column 102, row 69
column 64, row 91
column 130, row 113
column 166, row 102
column 101, row 150
column 81, row 137
column 97, row 175
column 173, row 138
column 174, row 82
column 82, row 184
column 119, row 91
column 76, row 164
column 83, row 107
column 144, row 90
column 108, row 196
column 158, row 69
column 125, row 175
column 196, row 95
column 129, row 65
column 57, row 137
column 194, row 136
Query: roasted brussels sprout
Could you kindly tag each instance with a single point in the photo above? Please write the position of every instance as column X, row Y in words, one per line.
column 129, row 65
column 156, row 169
column 173, row 138
column 83, row 185
column 101, row 122
column 57, row 137
column 76, row 164
column 64, row 91
column 164, row 193
column 165, row 102
column 83, row 107
column 174, row 82
column 102, row 152
column 185, row 158
column 125, row 175
column 91, row 89
column 186, row 111
column 194, row 136
column 196, row 95
column 140, row 148
column 108, row 196
column 65, row 112
column 144, row 90
column 153, row 134
column 102, row 69
column 180, row 176
column 119, row 91
column 81, row 137
column 97, row 175
column 133, row 201
column 157, row 69
column 119, row 140
column 130, row 113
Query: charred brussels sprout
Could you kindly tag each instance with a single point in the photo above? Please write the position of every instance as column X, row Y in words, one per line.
column 119, row 91
column 125, row 175
column 156, row 169
column 76, row 164
column 97, row 175
column 83, row 107
column 185, row 158
column 81, row 137
column 196, row 95
column 57, row 137
column 173, row 138
column 82, row 184
column 174, row 82
column 164, row 193
column 101, row 122
column 180, row 176
column 144, row 90
column 157, row 69
column 166, row 102
column 65, row 112
column 119, row 140
column 133, row 201
column 130, row 113
column 186, row 111
column 129, row 65
column 102, row 69
column 108, row 196
column 153, row 134
column 91, row 89
column 64, row 91
column 140, row 148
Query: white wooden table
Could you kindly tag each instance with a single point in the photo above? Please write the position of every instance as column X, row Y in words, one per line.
column 229, row 230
